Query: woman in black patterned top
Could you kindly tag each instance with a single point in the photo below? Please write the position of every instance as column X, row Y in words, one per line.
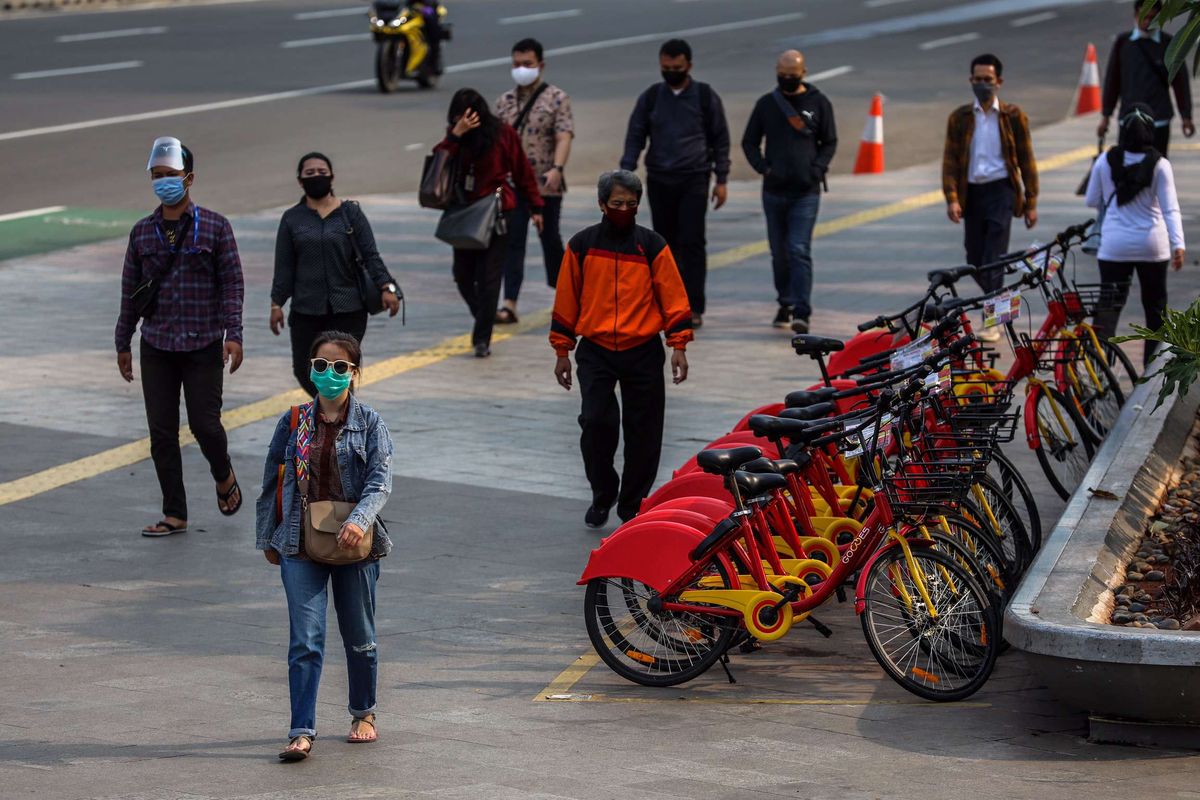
column 315, row 266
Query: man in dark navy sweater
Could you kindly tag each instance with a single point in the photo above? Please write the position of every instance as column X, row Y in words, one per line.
column 797, row 122
column 689, row 141
column 1137, row 73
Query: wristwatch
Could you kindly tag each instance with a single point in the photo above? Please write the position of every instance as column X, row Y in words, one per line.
column 389, row 287
column 558, row 167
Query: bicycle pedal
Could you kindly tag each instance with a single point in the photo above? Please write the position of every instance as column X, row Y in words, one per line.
column 750, row 646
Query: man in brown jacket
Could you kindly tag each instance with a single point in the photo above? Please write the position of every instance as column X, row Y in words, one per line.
column 989, row 174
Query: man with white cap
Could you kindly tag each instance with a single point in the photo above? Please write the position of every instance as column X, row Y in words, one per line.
column 183, row 279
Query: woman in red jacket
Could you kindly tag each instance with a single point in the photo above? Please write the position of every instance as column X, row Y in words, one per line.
column 490, row 158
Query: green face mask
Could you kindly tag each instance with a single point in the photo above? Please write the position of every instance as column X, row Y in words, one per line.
column 329, row 384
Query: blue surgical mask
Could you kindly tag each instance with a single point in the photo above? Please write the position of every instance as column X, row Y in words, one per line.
column 170, row 190
column 329, row 384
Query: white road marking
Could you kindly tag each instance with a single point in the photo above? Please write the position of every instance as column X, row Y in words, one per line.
column 949, row 40
column 347, row 37
column 91, row 37
column 1033, row 19
column 545, row 15
column 331, row 12
column 252, row 100
column 882, row 3
column 836, row 72
column 34, row 212
column 414, row 146
column 55, row 73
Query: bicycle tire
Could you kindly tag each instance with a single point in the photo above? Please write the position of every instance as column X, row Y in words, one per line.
column 998, row 576
column 634, row 660
column 1121, row 364
column 1017, row 488
column 957, row 650
column 1059, row 450
column 1012, row 535
column 1101, row 399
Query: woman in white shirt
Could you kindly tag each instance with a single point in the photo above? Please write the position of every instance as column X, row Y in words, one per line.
column 1142, row 230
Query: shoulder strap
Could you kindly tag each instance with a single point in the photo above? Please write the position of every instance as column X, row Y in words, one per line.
column 789, row 111
column 524, row 115
column 1158, row 67
column 651, row 96
column 350, row 231
column 706, row 102
column 279, row 482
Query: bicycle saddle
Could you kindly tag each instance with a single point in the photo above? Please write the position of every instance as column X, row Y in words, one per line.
column 806, row 413
column 949, row 276
column 752, row 485
column 777, row 427
column 764, row 466
column 723, row 462
column 807, row 397
column 806, row 344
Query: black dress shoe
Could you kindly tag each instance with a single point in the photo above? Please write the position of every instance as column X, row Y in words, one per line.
column 595, row 517
column 482, row 351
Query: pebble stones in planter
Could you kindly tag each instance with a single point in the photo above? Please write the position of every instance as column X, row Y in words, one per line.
column 1162, row 581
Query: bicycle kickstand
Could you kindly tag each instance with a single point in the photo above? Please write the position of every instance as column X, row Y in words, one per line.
column 725, row 666
column 821, row 627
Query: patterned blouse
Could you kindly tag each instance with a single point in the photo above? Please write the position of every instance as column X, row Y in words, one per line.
column 550, row 116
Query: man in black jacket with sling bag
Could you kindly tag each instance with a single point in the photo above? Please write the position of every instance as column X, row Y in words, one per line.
column 797, row 122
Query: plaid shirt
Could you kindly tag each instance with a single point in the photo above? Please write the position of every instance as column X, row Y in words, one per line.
column 1016, row 146
column 200, row 300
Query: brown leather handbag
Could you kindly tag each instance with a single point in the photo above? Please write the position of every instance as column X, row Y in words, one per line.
column 323, row 520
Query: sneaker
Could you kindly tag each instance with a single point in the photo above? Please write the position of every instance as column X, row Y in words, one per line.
column 626, row 514
column 799, row 325
column 989, row 335
column 482, row 350
column 782, row 317
column 595, row 517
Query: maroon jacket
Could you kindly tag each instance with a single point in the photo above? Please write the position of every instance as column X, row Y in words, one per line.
column 493, row 169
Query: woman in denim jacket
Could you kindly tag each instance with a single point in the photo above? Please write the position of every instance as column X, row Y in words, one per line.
column 350, row 459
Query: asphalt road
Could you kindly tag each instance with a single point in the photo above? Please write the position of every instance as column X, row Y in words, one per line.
column 79, row 138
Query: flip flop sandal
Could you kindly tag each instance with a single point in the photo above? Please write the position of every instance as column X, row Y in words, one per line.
column 506, row 316
column 169, row 529
column 223, row 497
column 367, row 720
column 296, row 755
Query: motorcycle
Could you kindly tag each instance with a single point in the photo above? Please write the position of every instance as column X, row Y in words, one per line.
column 405, row 36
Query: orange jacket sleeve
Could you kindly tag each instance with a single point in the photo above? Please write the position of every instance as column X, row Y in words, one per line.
column 672, row 299
column 566, row 305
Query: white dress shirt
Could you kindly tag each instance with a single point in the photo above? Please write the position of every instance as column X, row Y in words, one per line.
column 987, row 161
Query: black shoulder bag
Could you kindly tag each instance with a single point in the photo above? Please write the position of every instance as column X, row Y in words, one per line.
column 372, row 295
column 145, row 295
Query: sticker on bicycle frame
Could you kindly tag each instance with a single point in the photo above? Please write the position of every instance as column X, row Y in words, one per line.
column 863, row 436
column 1045, row 265
column 912, row 354
column 938, row 381
column 1001, row 309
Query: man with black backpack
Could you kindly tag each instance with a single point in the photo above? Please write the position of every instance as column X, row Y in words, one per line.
column 1137, row 73
column 689, row 141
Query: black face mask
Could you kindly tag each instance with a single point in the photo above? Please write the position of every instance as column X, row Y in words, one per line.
column 984, row 93
column 317, row 186
column 788, row 83
column 674, row 77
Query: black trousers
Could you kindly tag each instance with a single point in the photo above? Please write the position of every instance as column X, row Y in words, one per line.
column 677, row 209
column 987, row 223
column 518, row 236
column 1152, row 280
column 639, row 371
column 305, row 328
column 478, row 274
column 1162, row 139
column 200, row 374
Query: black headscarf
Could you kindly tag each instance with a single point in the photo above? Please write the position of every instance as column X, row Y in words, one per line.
column 1137, row 136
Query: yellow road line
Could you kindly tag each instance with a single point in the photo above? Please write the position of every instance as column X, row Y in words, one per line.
column 559, row 689
column 134, row 452
column 750, row 701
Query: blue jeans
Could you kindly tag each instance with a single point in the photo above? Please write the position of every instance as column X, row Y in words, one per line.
column 304, row 583
column 790, row 222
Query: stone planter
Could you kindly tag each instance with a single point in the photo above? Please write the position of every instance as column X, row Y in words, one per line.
column 1139, row 686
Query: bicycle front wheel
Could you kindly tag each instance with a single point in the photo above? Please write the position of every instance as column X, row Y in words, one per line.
column 941, row 650
column 1095, row 387
column 1064, row 447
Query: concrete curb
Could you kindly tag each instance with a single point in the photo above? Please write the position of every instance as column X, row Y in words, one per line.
column 1113, row 673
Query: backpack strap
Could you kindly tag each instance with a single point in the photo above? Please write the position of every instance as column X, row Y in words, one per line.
column 279, row 483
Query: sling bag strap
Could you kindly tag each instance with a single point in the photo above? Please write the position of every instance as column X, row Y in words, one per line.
column 789, row 111
column 279, row 483
column 522, row 117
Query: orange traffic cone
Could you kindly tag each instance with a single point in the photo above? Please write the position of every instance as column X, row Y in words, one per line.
column 870, row 149
column 1089, row 84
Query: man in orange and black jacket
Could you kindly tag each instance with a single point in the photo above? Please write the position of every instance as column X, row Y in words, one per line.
column 619, row 289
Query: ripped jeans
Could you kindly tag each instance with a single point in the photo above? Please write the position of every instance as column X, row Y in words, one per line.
column 305, row 583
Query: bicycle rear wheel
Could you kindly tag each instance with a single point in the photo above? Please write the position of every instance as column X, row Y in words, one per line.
column 1004, row 523
column 1017, row 489
column 1065, row 447
column 1096, row 388
column 1121, row 365
column 647, row 647
column 943, row 654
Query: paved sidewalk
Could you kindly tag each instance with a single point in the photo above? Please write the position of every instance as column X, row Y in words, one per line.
column 155, row 669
